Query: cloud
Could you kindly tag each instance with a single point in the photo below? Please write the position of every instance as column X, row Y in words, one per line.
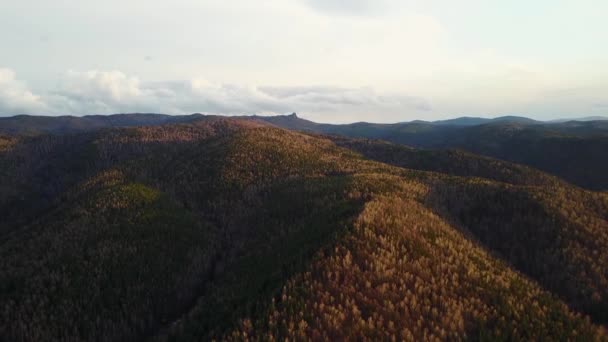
column 350, row 7
column 601, row 105
column 95, row 92
column 111, row 86
column 115, row 92
column 107, row 92
column 336, row 98
column 15, row 97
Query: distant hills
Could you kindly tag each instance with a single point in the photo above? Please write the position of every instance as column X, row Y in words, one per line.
column 473, row 121
column 573, row 150
column 229, row 229
column 588, row 118
column 29, row 124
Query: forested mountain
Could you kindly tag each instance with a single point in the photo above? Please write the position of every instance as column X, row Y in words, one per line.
column 235, row 229
column 32, row 125
column 573, row 150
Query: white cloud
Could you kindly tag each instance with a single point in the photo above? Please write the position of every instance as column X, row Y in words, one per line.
column 113, row 86
column 348, row 104
column 15, row 97
column 107, row 92
column 95, row 92
column 350, row 7
column 508, row 89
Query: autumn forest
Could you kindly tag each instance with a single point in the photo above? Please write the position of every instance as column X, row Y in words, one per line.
column 203, row 228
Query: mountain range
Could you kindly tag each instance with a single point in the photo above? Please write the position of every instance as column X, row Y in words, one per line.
column 572, row 150
column 29, row 124
column 162, row 228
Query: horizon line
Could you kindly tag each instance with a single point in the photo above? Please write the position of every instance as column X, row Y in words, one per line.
column 294, row 114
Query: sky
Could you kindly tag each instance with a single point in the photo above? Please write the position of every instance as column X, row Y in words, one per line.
column 328, row 60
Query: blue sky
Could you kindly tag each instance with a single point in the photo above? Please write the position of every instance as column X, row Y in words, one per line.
column 329, row 60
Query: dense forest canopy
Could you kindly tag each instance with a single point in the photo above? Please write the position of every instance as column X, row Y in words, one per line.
column 572, row 150
column 202, row 228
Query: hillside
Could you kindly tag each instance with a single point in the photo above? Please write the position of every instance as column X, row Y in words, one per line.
column 452, row 162
column 572, row 150
column 235, row 229
column 32, row 125
column 577, row 159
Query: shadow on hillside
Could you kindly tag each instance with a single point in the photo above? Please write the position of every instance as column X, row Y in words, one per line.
column 517, row 228
column 272, row 234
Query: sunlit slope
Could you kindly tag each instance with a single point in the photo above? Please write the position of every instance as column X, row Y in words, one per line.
column 404, row 274
column 556, row 235
column 546, row 228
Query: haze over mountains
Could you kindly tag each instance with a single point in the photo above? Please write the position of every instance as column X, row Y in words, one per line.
column 151, row 227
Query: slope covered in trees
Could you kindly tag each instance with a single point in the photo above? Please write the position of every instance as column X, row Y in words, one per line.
column 231, row 229
column 452, row 162
column 112, row 261
column 33, row 125
column 403, row 274
column 572, row 150
column 517, row 223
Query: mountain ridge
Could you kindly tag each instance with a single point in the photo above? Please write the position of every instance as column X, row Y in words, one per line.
column 553, row 147
column 243, row 229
